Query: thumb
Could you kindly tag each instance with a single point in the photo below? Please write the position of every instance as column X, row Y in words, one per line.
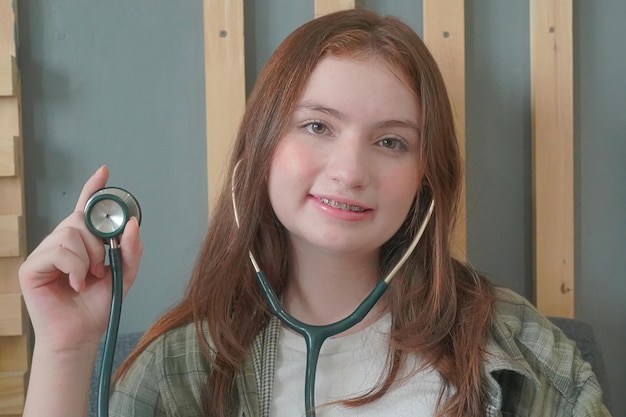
column 131, row 248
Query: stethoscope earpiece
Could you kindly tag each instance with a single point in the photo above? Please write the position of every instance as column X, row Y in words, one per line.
column 108, row 210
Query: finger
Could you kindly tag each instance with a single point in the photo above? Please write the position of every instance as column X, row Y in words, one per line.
column 66, row 239
column 45, row 267
column 72, row 232
column 132, row 249
column 97, row 181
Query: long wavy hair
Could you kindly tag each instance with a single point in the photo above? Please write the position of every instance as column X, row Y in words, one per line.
column 440, row 308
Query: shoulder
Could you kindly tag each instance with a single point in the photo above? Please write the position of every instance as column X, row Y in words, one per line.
column 520, row 331
column 180, row 346
column 525, row 347
column 166, row 378
column 512, row 311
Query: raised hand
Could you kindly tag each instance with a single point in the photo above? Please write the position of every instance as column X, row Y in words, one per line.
column 67, row 287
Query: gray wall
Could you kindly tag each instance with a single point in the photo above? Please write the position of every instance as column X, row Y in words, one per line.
column 600, row 85
column 121, row 83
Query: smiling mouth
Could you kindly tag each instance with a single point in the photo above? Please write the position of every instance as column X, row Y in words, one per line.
column 341, row 206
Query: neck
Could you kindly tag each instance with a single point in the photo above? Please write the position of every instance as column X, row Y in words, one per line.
column 324, row 288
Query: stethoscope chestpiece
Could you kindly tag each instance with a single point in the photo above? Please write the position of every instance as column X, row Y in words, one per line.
column 108, row 210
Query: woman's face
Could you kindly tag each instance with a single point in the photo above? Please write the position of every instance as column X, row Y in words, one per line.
column 344, row 175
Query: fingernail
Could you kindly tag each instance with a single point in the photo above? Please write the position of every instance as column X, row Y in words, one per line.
column 99, row 170
column 136, row 220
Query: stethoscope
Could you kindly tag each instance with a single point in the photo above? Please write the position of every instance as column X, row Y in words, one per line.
column 315, row 335
column 106, row 213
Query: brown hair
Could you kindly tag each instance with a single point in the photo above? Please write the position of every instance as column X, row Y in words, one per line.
column 440, row 308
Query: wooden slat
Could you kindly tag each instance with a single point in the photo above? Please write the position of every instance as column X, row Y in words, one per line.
column 12, row 200
column 8, row 75
column 14, row 353
column 9, row 116
column 11, row 236
column 8, row 156
column 9, row 268
column 323, row 7
column 444, row 34
column 15, row 346
column 12, row 315
column 12, row 393
column 11, row 187
column 225, row 84
column 552, row 113
column 7, row 27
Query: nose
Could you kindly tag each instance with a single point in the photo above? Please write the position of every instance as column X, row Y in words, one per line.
column 347, row 163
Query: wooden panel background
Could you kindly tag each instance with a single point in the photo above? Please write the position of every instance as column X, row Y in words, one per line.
column 225, row 84
column 322, row 7
column 552, row 112
column 14, row 339
column 444, row 34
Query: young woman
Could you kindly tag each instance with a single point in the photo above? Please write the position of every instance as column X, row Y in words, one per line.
column 346, row 140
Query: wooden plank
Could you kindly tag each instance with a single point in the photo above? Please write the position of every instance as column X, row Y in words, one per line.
column 9, row 268
column 444, row 34
column 8, row 156
column 225, row 84
column 323, row 7
column 11, row 236
column 12, row 187
column 12, row 315
column 7, row 27
column 9, row 116
column 552, row 119
column 12, row 392
column 8, row 75
column 12, row 200
column 14, row 349
column 14, row 353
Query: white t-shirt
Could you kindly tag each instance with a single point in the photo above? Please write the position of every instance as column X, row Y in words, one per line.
column 349, row 366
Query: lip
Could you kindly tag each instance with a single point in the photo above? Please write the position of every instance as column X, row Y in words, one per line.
column 339, row 213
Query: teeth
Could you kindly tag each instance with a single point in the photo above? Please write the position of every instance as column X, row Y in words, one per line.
column 341, row 206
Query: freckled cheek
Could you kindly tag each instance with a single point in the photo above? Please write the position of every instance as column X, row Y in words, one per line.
column 284, row 159
column 289, row 173
column 295, row 160
column 399, row 192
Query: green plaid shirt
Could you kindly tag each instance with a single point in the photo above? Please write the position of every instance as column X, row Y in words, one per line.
column 531, row 369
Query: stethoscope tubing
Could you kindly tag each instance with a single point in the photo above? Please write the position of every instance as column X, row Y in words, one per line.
column 315, row 335
column 110, row 339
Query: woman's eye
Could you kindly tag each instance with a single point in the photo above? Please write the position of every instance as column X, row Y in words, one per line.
column 316, row 128
column 394, row 144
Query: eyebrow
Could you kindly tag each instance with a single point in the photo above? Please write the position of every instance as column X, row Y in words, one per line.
column 315, row 107
column 406, row 124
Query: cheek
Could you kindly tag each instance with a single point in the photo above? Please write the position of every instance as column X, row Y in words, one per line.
column 274, row 179
column 285, row 172
column 281, row 167
column 400, row 190
column 293, row 162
